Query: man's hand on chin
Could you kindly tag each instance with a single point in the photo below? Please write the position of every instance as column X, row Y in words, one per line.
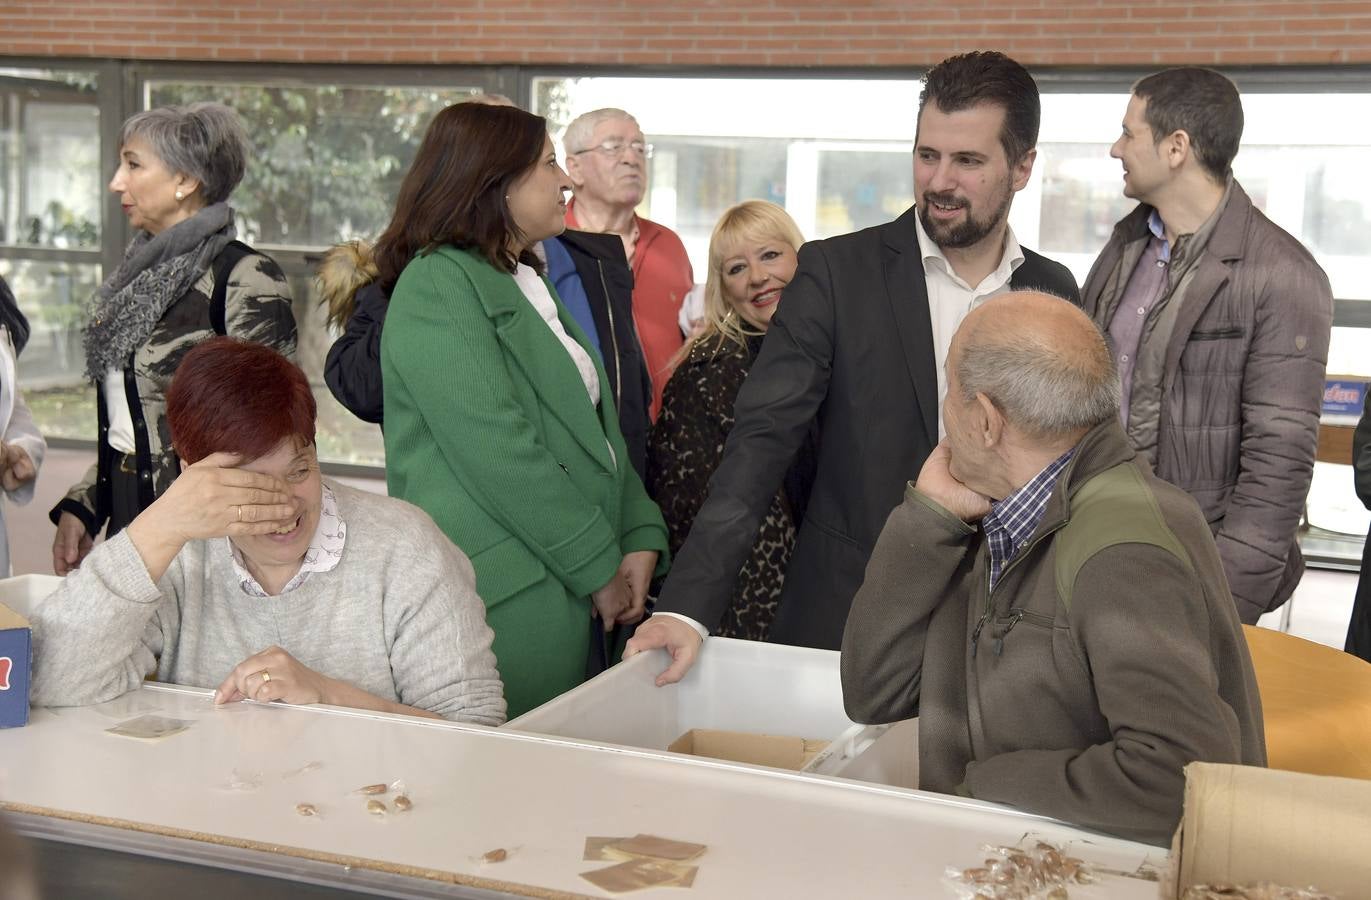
column 937, row 483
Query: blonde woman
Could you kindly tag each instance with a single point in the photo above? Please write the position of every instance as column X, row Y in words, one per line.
column 752, row 257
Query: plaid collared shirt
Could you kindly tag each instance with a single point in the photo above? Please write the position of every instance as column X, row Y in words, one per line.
column 1013, row 520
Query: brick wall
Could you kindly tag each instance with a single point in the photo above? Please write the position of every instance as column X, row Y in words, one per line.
column 845, row 33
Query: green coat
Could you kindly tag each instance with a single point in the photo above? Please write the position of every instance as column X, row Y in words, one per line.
column 489, row 429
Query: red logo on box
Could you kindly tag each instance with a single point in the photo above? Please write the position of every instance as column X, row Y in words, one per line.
column 5, row 664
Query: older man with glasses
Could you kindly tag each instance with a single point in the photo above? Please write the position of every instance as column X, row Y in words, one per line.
column 606, row 158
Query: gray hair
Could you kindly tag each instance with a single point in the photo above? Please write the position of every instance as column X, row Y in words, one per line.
column 490, row 100
column 581, row 131
column 1046, row 387
column 205, row 141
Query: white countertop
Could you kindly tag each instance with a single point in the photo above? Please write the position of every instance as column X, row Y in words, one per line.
column 475, row 789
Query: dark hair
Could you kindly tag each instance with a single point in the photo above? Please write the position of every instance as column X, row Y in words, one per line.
column 454, row 192
column 986, row 76
column 1202, row 103
column 235, row 396
column 12, row 317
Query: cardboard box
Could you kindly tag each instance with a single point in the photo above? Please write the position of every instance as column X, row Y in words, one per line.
column 1244, row 825
column 19, row 596
column 780, row 752
column 16, row 658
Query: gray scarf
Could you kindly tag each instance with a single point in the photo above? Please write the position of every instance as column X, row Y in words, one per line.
column 157, row 270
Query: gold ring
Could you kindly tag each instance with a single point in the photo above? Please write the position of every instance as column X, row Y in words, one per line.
column 266, row 676
column 240, row 512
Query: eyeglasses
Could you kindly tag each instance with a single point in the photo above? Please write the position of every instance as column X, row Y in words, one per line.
column 614, row 147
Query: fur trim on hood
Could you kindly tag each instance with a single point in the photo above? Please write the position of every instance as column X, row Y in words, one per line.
column 346, row 269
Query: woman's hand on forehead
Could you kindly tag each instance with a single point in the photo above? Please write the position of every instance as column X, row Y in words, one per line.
column 212, row 498
column 216, row 498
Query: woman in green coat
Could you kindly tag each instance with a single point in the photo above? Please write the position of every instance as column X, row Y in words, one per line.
column 499, row 421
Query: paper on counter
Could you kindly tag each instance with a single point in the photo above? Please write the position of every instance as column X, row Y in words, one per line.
column 645, row 860
column 641, row 873
column 150, row 728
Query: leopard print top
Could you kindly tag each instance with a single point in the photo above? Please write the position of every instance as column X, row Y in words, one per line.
column 684, row 448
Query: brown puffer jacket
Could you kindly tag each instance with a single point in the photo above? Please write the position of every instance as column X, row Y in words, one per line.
column 1241, row 389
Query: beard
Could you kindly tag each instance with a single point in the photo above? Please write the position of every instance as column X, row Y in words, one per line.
column 973, row 228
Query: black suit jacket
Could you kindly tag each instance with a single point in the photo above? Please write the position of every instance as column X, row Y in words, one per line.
column 851, row 345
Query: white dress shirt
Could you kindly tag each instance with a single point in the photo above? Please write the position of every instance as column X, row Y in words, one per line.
column 535, row 289
column 950, row 298
column 120, row 419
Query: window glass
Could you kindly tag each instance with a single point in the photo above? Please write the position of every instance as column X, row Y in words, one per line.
column 51, row 195
column 326, row 166
column 719, row 141
column 844, row 163
column 53, row 297
column 50, row 173
column 327, row 160
column 341, row 437
column 860, row 186
column 1301, row 163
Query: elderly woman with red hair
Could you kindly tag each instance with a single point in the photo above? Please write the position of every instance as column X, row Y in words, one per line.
column 254, row 576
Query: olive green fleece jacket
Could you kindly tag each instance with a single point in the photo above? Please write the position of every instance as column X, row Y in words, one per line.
column 1108, row 655
column 489, row 430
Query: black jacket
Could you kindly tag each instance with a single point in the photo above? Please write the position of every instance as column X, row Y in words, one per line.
column 352, row 370
column 1359, row 626
column 851, row 347
column 608, row 282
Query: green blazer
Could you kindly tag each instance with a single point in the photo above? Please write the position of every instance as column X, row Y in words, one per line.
column 489, row 429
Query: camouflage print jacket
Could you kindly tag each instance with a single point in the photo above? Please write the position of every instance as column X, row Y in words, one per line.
column 257, row 307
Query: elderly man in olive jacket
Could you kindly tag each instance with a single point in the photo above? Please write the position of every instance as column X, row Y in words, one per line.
column 1220, row 323
column 1055, row 615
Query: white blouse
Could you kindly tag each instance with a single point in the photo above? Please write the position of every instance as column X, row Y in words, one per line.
column 535, row 289
column 120, row 419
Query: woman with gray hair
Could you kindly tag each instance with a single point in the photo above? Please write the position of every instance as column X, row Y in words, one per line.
column 183, row 280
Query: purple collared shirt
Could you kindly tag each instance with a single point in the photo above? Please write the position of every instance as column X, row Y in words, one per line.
column 1013, row 520
column 1145, row 287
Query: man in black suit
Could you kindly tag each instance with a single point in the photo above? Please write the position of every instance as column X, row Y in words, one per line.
column 858, row 344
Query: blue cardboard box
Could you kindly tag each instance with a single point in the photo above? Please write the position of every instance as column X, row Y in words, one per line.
column 1343, row 397
column 16, row 658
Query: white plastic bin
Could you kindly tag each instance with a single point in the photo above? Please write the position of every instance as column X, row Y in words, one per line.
column 735, row 685
column 744, row 686
column 22, row 593
column 876, row 754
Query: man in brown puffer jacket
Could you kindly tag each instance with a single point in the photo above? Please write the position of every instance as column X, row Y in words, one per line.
column 1220, row 322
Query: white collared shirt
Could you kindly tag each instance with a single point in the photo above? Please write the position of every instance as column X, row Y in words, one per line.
column 120, row 435
column 324, row 553
column 950, row 298
column 535, row 289
column 540, row 298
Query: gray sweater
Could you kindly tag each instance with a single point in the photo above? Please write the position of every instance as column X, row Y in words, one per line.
column 398, row 617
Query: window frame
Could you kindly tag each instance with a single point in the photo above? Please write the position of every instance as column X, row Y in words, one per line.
column 122, row 85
